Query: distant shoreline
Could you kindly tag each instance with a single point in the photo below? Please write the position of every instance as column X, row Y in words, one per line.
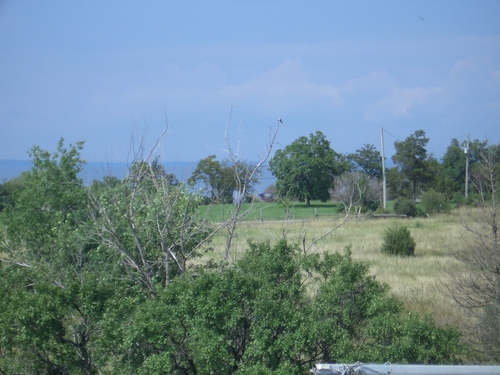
column 182, row 170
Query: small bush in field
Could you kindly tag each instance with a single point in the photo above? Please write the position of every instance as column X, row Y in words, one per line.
column 398, row 241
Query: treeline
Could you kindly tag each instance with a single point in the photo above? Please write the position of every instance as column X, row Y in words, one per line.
column 310, row 169
column 107, row 279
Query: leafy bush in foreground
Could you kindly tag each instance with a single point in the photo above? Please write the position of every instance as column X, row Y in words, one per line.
column 259, row 317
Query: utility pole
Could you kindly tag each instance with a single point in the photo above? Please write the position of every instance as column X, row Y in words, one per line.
column 466, row 150
column 384, row 192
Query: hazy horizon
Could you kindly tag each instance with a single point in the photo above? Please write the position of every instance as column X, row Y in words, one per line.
column 10, row 169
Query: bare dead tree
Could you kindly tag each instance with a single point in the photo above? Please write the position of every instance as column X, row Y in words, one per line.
column 475, row 287
column 354, row 189
column 149, row 220
column 243, row 181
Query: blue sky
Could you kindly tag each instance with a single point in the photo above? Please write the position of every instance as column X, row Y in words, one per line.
column 97, row 70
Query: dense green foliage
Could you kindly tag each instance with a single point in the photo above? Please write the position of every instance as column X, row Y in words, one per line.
column 433, row 201
column 368, row 160
column 51, row 297
column 71, row 252
column 404, row 206
column 476, row 285
column 100, row 280
column 260, row 314
column 412, row 160
column 398, row 241
column 52, row 194
column 451, row 180
column 8, row 189
column 305, row 169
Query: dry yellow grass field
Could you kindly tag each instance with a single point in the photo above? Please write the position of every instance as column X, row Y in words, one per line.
column 417, row 281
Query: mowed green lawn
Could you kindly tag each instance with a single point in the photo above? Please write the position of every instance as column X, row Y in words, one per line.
column 271, row 211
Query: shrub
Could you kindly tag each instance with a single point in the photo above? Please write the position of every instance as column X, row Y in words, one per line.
column 458, row 198
column 420, row 211
column 433, row 201
column 398, row 241
column 404, row 206
column 380, row 210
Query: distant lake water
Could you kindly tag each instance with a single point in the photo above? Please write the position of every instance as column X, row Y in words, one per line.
column 10, row 169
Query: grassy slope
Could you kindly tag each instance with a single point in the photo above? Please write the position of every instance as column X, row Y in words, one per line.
column 416, row 281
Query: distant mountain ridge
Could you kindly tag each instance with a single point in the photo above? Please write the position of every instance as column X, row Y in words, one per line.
column 10, row 169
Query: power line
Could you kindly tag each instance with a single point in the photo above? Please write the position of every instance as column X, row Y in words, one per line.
column 393, row 136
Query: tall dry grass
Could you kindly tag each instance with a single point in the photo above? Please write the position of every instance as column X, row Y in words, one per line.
column 417, row 281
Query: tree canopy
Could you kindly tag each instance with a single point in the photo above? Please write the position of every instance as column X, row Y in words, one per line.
column 305, row 169
column 413, row 161
column 475, row 286
column 261, row 317
column 368, row 160
column 222, row 179
column 452, row 175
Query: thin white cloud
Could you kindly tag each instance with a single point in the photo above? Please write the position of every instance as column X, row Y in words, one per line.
column 465, row 65
column 472, row 64
column 371, row 84
column 474, row 80
column 404, row 101
column 285, row 86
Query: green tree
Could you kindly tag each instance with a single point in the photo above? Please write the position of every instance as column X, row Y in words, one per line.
column 412, row 160
column 305, row 169
column 222, row 179
column 475, row 286
column 451, row 179
column 8, row 189
column 53, row 193
column 141, row 171
column 277, row 311
column 405, row 206
column 433, row 201
column 397, row 184
column 52, row 286
column 51, row 324
column 408, row 338
column 87, row 259
column 368, row 160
